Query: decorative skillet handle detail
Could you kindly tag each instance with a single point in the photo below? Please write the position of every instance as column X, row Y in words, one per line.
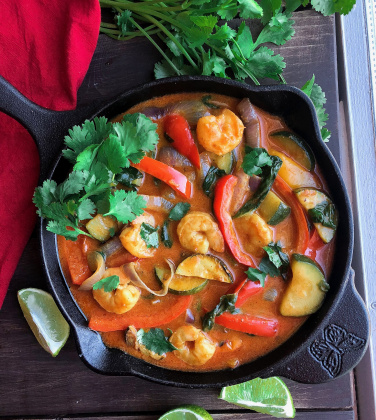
column 337, row 348
column 47, row 127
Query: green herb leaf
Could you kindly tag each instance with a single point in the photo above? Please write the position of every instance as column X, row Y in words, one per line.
column 269, row 7
column 155, row 341
column 328, row 7
column 108, row 284
column 126, row 206
column 165, row 235
column 123, row 22
column 278, row 31
column 226, row 304
column 86, row 209
column 150, row 235
column 255, row 159
column 324, row 213
column 263, row 64
column 179, row 211
column 267, row 267
column 206, row 101
column 249, row 9
column 278, row 258
column 211, row 179
column 128, row 176
column 256, row 275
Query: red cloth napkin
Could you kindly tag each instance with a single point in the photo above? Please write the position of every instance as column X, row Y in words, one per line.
column 45, row 50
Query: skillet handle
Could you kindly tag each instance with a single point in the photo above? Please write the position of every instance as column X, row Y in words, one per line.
column 47, row 127
column 337, row 348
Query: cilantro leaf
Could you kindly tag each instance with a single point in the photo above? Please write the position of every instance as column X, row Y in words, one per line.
column 256, row 275
column 263, row 64
column 155, row 341
column 125, row 206
column 146, row 131
column 71, row 186
column 85, row 209
column 249, row 9
column 269, row 7
column 150, row 235
column 111, row 154
column 245, row 40
column 278, row 31
column 123, row 22
column 44, row 195
column 108, row 284
column 328, row 7
column 255, row 159
column 59, row 229
column 226, row 304
column 179, row 211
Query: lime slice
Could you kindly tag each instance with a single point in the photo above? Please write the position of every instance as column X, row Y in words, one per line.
column 187, row 412
column 267, row 396
column 44, row 318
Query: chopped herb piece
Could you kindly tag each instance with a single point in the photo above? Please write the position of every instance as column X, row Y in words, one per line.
column 128, row 176
column 255, row 159
column 126, row 206
column 324, row 213
column 268, row 267
column 226, row 304
column 150, row 235
column 206, row 101
column 211, row 179
column 279, row 259
column 165, row 235
column 155, row 341
column 256, row 275
column 108, row 284
column 179, row 211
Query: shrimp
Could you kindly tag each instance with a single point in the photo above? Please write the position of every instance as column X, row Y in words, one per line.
column 194, row 347
column 120, row 300
column 131, row 340
column 131, row 239
column 255, row 233
column 220, row 134
column 198, row 230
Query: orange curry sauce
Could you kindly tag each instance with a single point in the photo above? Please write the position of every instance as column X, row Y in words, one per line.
column 233, row 348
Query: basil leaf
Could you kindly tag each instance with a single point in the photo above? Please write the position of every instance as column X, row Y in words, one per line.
column 128, row 176
column 179, row 211
column 226, row 304
column 279, row 259
column 268, row 267
column 211, row 179
column 150, row 235
column 256, row 275
column 324, row 213
column 165, row 235
column 206, row 101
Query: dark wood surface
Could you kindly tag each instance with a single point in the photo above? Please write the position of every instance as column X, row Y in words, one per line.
column 34, row 384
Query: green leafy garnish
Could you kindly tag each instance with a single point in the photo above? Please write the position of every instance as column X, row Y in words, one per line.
column 256, row 275
column 125, row 206
column 108, row 284
column 226, row 304
column 155, row 341
column 206, row 101
column 128, row 177
column 276, row 263
column 150, row 235
column 179, row 211
column 211, row 179
column 324, row 213
column 255, row 159
column 165, row 235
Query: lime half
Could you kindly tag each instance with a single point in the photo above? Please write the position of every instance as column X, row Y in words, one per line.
column 187, row 412
column 44, row 318
column 267, row 396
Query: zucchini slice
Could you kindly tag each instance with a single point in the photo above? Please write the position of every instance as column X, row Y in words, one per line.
column 273, row 210
column 294, row 174
column 306, row 290
column 295, row 147
column 181, row 285
column 309, row 198
column 206, row 267
column 225, row 162
column 102, row 227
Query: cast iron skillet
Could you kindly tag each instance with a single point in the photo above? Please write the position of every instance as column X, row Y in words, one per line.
column 330, row 343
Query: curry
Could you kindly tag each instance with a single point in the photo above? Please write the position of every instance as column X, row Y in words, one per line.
column 233, row 249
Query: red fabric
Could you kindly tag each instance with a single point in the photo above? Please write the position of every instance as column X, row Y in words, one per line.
column 45, row 50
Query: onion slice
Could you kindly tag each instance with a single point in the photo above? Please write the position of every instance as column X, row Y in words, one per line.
column 95, row 259
column 157, row 203
column 111, row 246
column 131, row 273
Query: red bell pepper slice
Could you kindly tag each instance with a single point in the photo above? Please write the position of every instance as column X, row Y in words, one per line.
column 144, row 315
column 76, row 259
column 249, row 324
column 245, row 289
column 314, row 244
column 224, row 191
column 177, row 128
column 287, row 194
column 175, row 179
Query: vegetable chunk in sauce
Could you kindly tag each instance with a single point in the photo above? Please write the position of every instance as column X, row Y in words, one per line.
column 197, row 281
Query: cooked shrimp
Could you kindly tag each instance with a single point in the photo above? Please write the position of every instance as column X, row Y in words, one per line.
column 220, row 134
column 131, row 340
column 131, row 239
column 198, row 231
column 194, row 347
column 254, row 232
column 120, row 300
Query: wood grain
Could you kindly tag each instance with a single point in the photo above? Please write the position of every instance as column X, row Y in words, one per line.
column 32, row 383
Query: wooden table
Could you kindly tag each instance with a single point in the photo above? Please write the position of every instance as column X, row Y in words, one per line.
column 34, row 384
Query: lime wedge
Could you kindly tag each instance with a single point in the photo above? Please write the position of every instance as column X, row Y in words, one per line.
column 267, row 396
column 44, row 318
column 187, row 412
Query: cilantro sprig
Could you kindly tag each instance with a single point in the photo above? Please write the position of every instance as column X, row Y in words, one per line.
column 99, row 150
column 108, row 284
column 155, row 341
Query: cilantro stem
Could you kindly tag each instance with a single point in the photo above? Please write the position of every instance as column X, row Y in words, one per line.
column 282, row 79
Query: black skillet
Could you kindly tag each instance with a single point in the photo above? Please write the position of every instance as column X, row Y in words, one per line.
column 329, row 344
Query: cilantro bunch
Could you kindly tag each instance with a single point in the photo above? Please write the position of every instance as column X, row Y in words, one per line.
column 98, row 151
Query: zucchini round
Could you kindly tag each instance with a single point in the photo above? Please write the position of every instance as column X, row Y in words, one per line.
column 204, row 266
column 181, row 285
column 273, row 210
column 306, row 290
column 295, row 147
column 224, row 162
